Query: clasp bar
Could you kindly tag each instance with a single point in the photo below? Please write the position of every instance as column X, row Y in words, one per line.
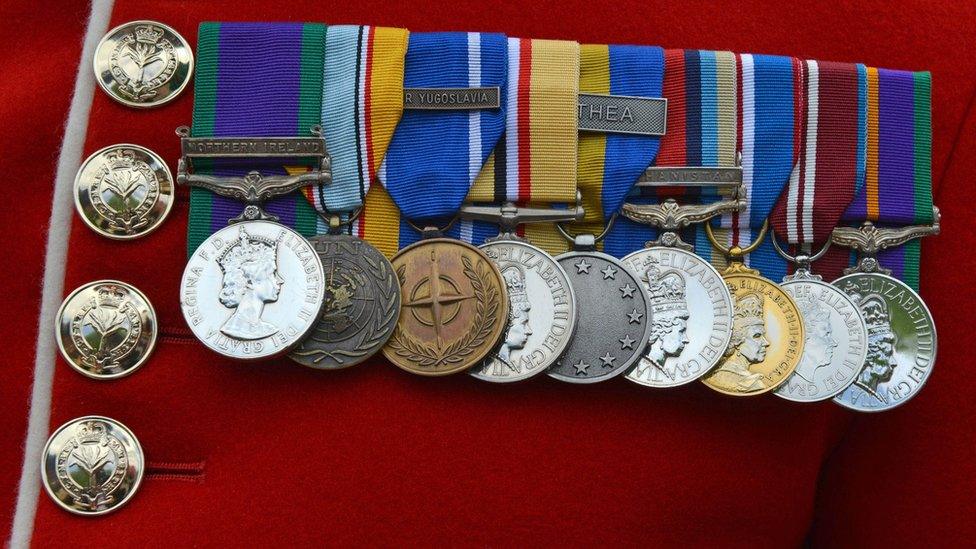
column 869, row 239
column 254, row 188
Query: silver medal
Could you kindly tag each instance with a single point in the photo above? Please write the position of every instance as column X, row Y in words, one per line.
column 691, row 316
column 613, row 325
column 901, row 342
column 542, row 312
column 901, row 337
column 252, row 290
column 835, row 340
column 362, row 304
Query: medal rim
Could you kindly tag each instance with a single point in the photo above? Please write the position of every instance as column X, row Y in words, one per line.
column 286, row 349
column 728, row 336
column 191, row 62
column 753, row 273
column 503, row 313
column 644, row 336
column 573, row 319
column 935, row 344
column 77, row 187
column 379, row 348
column 139, row 474
column 149, row 348
column 863, row 353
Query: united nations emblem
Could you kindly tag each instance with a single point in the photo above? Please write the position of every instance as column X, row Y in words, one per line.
column 92, row 465
column 106, row 329
column 361, row 306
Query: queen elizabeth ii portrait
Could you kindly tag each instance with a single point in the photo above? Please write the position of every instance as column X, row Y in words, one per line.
column 250, row 280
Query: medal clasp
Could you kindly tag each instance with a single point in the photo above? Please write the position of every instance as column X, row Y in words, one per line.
column 254, row 188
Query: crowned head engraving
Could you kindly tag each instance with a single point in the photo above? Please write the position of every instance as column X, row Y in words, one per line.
column 669, row 311
column 518, row 313
column 250, row 280
column 747, row 346
column 880, row 363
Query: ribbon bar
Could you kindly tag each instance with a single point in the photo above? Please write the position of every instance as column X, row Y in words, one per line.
column 690, row 176
column 247, row 147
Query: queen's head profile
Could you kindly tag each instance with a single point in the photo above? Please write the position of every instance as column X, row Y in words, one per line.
column 880, row 364
column 747, row 346
column 250, row 280
column 669, row 314
column 518, row 315
column 819, row 345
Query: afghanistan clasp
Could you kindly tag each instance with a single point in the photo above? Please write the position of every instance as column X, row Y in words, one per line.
column 254, row 188
column 870, row 239
column 669, row 216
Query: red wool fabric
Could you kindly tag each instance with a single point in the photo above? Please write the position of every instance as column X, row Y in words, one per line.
column 259, row 454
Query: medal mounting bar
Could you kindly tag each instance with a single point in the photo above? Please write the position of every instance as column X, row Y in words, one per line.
column 869, row 239
column 509, row 216
column 669, row 216
column 254, row 188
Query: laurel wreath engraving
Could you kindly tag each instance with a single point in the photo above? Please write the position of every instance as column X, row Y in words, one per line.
column 376, row 331
column 486, row 313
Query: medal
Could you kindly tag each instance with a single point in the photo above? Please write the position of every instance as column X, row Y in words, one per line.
column 901, row 341
column 767, row 330
column 820, row 188
column 614, row 317
column 454, row 299
column 362, row 295
column 691, row 307
column 542, row 305
column 253, row 289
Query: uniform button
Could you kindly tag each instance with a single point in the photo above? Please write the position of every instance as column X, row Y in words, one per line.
column 143, row 63
column 123, row 191
column 106, row 329
column 92, row 465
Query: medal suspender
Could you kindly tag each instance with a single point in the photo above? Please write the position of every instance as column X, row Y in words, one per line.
column 254, row 80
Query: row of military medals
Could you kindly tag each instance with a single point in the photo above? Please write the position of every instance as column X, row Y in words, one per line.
column 258, row 289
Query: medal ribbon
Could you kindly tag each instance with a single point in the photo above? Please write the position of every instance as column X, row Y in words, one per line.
column 535, row 160
column 897, row 186
column 362, row 101
column 608, row 164
column 254, row 80
column 826, row 165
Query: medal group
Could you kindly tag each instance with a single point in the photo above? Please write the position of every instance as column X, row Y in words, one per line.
column 508, row 207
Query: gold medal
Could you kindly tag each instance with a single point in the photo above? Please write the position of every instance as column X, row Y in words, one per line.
column 767, row 330
column 454, row 307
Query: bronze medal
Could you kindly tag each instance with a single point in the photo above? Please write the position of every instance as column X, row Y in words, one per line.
column 454, row 307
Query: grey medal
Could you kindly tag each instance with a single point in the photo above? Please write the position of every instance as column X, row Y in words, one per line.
column 613, row 325
column 252, row 290
column 901, row 342
column 691, row 316
column 542, row 312
column 361, row 307
column 835, row 342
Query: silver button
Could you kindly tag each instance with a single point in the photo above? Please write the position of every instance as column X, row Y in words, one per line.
column 123, row 191
column 92, row 465
column 143, row 63
column 106, row 329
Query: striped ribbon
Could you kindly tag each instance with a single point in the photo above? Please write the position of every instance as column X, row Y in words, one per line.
column 897, row 186
column 362, row 100
column 435, row 155
column 826, row 160
column 254, row 80
column 535, row 160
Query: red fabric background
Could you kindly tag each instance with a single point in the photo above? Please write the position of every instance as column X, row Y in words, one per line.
column 265, row 453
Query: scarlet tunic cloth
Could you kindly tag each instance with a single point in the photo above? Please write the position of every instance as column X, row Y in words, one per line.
column 273, row 453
